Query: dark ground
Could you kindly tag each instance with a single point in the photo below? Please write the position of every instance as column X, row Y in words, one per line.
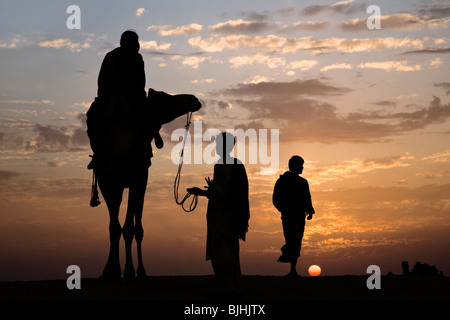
column 253, row 288
column 264, row 297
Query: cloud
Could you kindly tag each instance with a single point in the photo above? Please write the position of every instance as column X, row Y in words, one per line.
column 17, row 101
column 56, row 164
column 36, row 38
column 342, row 7
column 16, row 41
column 348, row 169
column 350, row 45
column 286, row 12
column 254, row 15
column 400, row 65
column 50, row 138
column 257, row 79
column 310, row 26
column 336, row 66
column 6, row 174
column 444, row 85
column 153, row 45
column 269, row 42
column 167, row 30
column 246, row 27
column 303, row 65
column 194, row 61
column 429, row 50
column 57, row 139
column 294, row 108
column 401, row 21
column 65, row 43
column 390, row 66
column 442, row 157
column 240, row 27
column 140, row 12
column 271, row 62
column 207, row 80
column 435, row 11
column 385, row 103
column 312, row 87
column 436, row 112
column 15, row 123
column 435, row 63
column 272, row 43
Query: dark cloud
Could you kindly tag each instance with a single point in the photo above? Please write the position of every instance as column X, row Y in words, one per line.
column 286, row 12
column 168, row 54
column 6, row 175
column 84, row 73
column 295, row 108
column 436, row 112
column 385, row 103
column 223, row 104
column 401, row 21
column 312, row 87
column 304, row 26
column 79, row 137
column 51, row 138
column 311, row 26
column 57, row 139
column 444, row 85
column 15, row 123
column 434, row 11
column 254, row 15
column 429, row 50
column 343, row 7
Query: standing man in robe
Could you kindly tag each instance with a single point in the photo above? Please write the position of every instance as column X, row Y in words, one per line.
column 227, row 216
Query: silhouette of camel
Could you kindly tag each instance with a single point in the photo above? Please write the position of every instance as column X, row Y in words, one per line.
column 116, row 173
column 122, row 121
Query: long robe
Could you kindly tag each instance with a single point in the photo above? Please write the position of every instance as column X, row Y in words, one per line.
column 228, row 213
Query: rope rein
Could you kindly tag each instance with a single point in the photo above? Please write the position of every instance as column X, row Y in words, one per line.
column 176, row 184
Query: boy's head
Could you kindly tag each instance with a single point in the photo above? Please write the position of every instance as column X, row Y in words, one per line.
column 296, row 164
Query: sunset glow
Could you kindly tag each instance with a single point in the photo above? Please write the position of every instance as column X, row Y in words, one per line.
column 314, row 270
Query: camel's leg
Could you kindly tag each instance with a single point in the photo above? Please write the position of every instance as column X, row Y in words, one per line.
column 133, row 223
column 128, row 235
column 113, row 197
column 139, row 235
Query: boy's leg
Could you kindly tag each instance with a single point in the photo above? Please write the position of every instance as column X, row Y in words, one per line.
column 293, row 233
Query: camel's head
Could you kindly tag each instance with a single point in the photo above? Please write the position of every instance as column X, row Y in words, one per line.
column 193, row 103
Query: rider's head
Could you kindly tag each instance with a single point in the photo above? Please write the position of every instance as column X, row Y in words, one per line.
column 130, row 41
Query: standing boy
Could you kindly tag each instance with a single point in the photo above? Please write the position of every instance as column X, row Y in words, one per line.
column 291, row 197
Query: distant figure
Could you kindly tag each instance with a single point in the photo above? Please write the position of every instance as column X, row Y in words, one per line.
column 122, row 122
column 405, row 268
column 227, row 215
column 292, row 198
column 423, row 269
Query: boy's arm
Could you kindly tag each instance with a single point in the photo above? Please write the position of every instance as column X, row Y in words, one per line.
column 276, row 196
column 309, row 207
